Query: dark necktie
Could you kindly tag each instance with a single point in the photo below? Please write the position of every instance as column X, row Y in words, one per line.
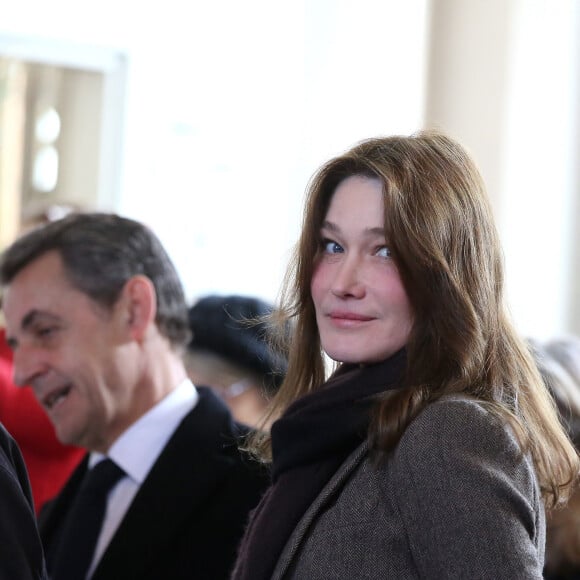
column 83, row 523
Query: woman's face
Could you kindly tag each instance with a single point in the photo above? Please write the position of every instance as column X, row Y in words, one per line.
column 362, row 310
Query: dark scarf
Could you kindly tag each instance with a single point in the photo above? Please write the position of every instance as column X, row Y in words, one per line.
column 309, row 443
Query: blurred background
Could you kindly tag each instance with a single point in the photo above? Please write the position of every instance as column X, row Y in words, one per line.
column 206, row 120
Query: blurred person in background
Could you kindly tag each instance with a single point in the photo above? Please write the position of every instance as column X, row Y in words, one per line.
column 21, row 554
column 230, row 351
column 559, row 361
column 566, row 350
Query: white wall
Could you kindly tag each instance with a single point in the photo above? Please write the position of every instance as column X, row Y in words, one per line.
column 229, row 118
column 541, row 195
column 232, row 105
column 504, row 78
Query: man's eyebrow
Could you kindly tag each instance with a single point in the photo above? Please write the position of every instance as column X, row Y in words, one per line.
column 29, row 320
column 36, row 315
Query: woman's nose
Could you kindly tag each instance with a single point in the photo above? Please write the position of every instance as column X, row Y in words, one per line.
column 348, row 280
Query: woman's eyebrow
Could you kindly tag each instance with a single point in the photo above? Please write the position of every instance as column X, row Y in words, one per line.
column 326, row 225
column 374, row 231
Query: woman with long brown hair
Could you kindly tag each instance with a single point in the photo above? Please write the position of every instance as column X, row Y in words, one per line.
column 431, row 447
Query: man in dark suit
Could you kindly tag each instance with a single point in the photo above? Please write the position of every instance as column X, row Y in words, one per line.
column 96, row 317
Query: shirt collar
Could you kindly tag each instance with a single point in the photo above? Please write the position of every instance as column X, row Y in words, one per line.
column 138, row 448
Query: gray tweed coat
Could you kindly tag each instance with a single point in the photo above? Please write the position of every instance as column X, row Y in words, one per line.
column 454, row 500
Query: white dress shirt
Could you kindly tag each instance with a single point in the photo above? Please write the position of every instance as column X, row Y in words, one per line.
column 136, row 451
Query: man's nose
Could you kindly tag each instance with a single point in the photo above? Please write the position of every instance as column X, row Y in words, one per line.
column 28, row 364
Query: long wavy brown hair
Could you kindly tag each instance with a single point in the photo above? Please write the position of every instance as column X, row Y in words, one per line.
column 440, row 229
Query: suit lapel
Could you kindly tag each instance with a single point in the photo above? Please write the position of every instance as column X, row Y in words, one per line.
column 328, row 492
column 53, row 513
column 180, row 481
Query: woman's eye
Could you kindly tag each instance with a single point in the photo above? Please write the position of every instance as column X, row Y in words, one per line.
column 331, row 247
column 383, row 252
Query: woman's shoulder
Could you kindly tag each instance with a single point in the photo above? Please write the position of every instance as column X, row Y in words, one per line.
column 461, row 418
column 458, row 478
column 462, row 431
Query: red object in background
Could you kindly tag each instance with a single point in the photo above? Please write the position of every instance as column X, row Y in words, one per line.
column 49, row 462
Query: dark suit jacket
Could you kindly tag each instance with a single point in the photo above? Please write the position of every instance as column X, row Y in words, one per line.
column 21, row 555
column 188, row 516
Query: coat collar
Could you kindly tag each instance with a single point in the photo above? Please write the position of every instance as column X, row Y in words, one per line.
column 328, row 492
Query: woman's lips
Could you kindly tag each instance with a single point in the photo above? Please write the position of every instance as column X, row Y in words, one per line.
column 351, row 316
column 347, row 320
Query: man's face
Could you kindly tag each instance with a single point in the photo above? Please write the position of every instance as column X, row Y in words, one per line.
column 77, row 356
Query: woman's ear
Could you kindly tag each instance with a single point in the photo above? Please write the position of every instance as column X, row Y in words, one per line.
column 140, row 300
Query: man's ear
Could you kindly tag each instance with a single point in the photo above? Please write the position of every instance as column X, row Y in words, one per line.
column 140, row 301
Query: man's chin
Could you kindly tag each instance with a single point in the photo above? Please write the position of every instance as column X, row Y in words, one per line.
column 67, row 438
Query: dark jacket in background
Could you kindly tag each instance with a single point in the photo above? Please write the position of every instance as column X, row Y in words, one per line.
column 21, row 555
